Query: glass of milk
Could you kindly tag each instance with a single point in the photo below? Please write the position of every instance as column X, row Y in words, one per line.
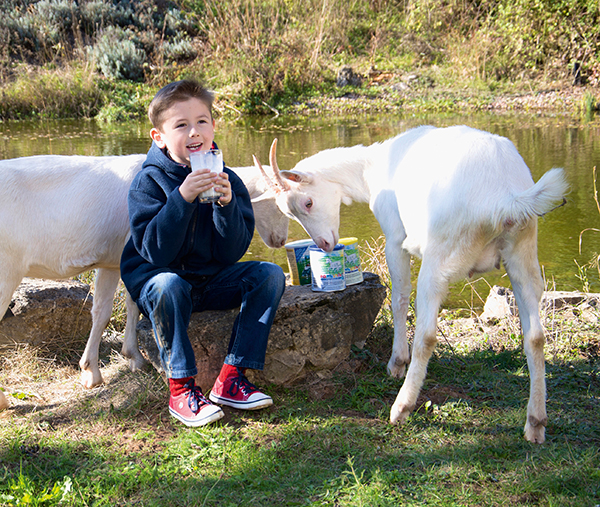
column 208, row 159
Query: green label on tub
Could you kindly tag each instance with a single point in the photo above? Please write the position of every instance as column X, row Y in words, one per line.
column 298, row 257
column 352, row 264
column 303, row 263
column 352, row 259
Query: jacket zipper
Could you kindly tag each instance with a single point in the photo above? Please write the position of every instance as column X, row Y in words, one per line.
column 194, row 222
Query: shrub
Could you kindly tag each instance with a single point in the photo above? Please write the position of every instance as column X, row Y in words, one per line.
column 117, row 56
column 99, row 14
column 57, row 14
column 38, row 31
column 177, row 50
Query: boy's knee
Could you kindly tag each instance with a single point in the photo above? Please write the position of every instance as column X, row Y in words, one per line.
column 269, row 277
column 276, row 274
column 170, row 285
column 275, row 270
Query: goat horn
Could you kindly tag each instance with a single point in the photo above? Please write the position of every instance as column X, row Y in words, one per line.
column 275, row 168
column 272, row 186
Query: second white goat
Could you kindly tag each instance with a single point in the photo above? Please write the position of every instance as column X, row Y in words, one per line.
column 462, row 200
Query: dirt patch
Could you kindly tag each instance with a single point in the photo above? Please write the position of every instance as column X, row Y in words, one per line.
column 44, row 392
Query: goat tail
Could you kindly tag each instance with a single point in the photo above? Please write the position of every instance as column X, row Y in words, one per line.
column 546, row 195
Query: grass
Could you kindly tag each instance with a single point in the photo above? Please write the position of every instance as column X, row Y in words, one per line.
column 324, row 443
column 327, row 443
column 72, row 92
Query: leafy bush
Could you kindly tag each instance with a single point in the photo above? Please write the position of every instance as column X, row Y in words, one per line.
column 178, row 50
column 117, row 56
column 58, row 14
column 39, row 31
column 512, row 38
column 99, row 14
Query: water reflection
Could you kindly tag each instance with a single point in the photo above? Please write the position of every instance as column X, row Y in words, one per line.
column 544, row 142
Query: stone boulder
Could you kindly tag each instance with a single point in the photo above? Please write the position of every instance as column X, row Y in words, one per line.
column 553, row 300
column 312, row 333
column 47, row 313
column 501, row 302
column 348, row 77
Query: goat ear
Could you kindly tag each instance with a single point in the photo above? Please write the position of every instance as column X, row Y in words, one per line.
column 296, row 177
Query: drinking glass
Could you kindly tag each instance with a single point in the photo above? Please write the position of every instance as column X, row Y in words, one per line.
column 208, row 159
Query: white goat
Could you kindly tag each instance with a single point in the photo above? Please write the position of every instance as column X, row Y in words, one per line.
column 63, row 215
column 459, row 198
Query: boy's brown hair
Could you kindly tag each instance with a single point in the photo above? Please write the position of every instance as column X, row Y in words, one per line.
column 177, row 91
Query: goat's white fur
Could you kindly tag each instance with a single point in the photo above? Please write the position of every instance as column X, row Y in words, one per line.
column 63, row 215
column 459, row 198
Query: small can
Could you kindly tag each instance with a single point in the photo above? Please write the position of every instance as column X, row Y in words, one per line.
column 352, row 271
column 298, row 257
column 327, row 269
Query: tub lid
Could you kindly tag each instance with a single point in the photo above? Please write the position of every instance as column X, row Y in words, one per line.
column 315, row 248
column 299, row 243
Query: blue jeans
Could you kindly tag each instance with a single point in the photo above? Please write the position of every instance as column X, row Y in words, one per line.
column 168, row 301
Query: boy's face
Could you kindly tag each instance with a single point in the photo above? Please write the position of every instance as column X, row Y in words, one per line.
column 188, row 127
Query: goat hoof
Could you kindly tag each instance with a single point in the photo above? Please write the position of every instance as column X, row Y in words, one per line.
column 136, row 363
column 90, row 379
column 399, row 413
column 396, row 368
column 535, row 434
column 136, row 359
column 3, row 401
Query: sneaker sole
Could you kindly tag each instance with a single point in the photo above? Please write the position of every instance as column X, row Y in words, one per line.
column 254, row 405
column 215, row 416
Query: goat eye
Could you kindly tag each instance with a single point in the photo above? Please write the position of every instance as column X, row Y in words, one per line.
column 308, row 204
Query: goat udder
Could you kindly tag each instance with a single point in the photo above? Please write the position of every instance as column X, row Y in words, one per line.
column 487, row 262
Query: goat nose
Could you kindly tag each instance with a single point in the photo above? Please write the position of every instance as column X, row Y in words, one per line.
column 277, row 241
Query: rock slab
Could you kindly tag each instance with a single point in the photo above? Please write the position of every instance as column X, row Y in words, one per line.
column 313, row 332
column 47, row 313
column 501, row 302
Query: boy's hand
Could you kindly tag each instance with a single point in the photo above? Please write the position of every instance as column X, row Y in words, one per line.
column 202, row 180
column 196, row 182
column 223, row 186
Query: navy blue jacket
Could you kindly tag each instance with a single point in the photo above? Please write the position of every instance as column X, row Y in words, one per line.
column 169, row 234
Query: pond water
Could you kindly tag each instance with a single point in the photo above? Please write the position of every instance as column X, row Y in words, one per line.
column 543, row 141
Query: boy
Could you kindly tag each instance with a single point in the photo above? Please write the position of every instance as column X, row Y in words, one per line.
column 183, row 257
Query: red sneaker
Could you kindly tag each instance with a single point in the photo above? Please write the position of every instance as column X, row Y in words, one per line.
column 239, row 392
column 192, row 408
